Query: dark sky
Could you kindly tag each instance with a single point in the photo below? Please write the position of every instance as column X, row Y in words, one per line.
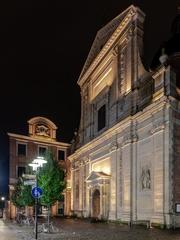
column 43, row 47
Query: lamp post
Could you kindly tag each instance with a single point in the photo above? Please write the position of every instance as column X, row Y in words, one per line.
column 3, row 201
column 36, row 164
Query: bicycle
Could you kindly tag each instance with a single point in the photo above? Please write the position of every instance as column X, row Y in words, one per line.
column 49, row 228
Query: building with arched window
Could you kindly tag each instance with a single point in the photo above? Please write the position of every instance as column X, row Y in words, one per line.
column 23, row 149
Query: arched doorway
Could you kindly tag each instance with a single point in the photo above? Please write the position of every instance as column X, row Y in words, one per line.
column 96, row 203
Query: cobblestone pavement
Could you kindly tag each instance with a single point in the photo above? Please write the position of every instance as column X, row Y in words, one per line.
column 72, row 229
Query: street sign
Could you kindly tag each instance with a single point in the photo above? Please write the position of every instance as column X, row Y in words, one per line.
column 29, row 176
column 29, row 182
column 36, row 192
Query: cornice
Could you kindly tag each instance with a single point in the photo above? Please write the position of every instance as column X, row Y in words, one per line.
column 140, row 116
column 35, row 139
column 157, row 128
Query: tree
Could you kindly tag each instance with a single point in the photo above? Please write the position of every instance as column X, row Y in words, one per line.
column 21, row 195
column 51, row 180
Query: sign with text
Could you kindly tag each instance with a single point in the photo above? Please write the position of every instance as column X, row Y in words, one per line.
column 29, row 176
column 29, row 182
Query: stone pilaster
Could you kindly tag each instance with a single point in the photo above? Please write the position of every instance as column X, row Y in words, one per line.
column 113, row 186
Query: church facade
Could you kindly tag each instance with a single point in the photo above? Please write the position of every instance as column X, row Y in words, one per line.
column 126, row 163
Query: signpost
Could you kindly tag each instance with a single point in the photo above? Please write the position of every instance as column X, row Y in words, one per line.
column 36, row 192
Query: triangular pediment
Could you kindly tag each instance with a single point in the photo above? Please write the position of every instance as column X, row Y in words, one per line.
column 102, row 37
column 97, row 175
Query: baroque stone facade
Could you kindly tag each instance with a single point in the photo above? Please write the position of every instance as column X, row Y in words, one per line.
column 126, row 160
column 23, row 149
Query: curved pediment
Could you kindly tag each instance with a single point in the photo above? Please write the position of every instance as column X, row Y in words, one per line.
column 42, row 127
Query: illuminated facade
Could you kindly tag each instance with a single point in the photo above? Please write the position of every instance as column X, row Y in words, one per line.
column 23, row 149
column 125, row 166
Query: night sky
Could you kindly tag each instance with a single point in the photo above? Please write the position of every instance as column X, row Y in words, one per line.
column 44, row 45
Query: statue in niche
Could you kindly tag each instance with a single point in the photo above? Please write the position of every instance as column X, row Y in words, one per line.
column 42, row 130
column 146, row 178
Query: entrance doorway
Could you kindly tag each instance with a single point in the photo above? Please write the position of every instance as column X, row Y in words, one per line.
column 96, row 203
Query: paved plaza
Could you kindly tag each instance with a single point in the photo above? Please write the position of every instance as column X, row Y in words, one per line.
column 73, row 229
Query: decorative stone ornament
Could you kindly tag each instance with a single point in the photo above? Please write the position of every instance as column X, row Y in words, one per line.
column 42, row 127
column 146, row 178
column 42, row 130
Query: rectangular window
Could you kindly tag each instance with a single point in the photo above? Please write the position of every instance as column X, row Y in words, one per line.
column 102, row 117
column 42, row 151
column 21, row 171
column 61, row 155
column 21, row 151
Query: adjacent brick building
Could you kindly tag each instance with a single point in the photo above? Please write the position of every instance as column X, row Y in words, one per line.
column 23, row 149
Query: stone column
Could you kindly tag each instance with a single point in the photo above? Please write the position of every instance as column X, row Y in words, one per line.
column 101, row 201
column 119, row 183
column 90, row 202
column 116, row 76
column 168, row 148
column 158, row 137
column 113, row 204
column 134, row 178
column 73, row 189
column 81, row 188
column 126, row 180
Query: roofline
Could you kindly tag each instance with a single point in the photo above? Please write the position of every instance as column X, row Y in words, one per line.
column 108, row 45
column 33, row 139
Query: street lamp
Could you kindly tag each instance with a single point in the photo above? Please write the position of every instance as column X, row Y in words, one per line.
column 36, row 164
column 2, row 198
column 3, row 201
column 40, row 161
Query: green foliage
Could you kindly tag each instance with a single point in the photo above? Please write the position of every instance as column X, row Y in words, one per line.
column 21, row 196
column 51, row 180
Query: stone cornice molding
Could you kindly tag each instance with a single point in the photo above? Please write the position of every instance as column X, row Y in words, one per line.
column 157, row 128
column 115, row 51
column 140, row 117
column 19, row 137
column 124, row 23
column 113, row 146
column 130, row 139
column 126, row 140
